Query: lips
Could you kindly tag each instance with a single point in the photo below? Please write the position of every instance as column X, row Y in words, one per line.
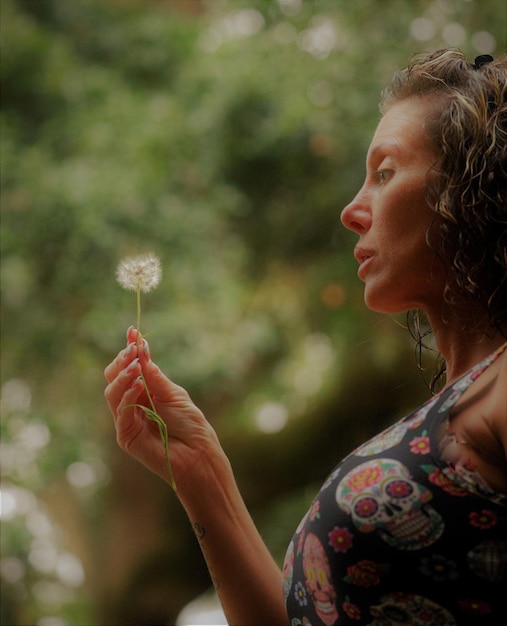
column 363, row 256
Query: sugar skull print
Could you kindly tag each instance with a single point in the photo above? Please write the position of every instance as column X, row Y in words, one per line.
column 488, row 560
column 402, row 608
column 381, row 496
column 318, row 580
column 383, row 441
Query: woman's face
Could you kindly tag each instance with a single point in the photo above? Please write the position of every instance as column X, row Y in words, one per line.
column 391, row 216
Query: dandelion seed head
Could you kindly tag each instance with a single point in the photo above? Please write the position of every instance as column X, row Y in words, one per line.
column 141, row 272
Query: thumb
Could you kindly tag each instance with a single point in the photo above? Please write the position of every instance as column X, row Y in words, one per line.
column 161, row 387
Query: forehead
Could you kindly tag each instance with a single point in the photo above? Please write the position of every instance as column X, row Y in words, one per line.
column 402, row 130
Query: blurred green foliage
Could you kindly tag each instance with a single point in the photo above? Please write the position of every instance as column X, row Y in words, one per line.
column 225, row 136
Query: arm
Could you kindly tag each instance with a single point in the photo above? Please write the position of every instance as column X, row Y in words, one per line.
column 247, row 579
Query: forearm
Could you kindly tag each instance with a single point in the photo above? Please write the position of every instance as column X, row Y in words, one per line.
column 248, row 581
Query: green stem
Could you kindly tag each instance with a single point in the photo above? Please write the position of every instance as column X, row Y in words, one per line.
column 151, row 413
column 138, row 315
column 162, row 428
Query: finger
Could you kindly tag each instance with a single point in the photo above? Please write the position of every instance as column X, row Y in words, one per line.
column 133, row 335
column 129, row 419
column 115, row 391
column 159, row 384
column 144, row 352
column 131, row 396
column 161, row 387
column 122, row 360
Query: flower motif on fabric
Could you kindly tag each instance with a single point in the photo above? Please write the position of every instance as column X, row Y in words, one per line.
column 399, row 489
column 438, row 478
column 366, row 477
column 484, row 519
column 351, row 610
column 315, row 511
column 420, row 445
column 300, row 594
column 340, row 539
column 439, row 568
column 366, row 507
column 301, row 541
column 468, row 478
column 288, row 569
column 365, row 573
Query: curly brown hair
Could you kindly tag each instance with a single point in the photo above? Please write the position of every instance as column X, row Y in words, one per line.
column 467, row 187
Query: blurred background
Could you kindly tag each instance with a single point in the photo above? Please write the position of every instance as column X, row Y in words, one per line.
column 225, row 136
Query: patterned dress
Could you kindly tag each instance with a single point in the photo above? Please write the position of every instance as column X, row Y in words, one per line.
column 398, row 536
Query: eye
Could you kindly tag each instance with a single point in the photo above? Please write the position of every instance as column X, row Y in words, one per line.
column 366, row 507
column 399, row 489
column 381, row 176
column 321, row 577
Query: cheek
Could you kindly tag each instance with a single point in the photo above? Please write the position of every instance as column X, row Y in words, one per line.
column 405, row 230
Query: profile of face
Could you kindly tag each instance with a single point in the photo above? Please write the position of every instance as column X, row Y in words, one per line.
column 391, row 216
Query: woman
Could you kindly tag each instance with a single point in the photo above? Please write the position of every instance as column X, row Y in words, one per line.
column 412, row 526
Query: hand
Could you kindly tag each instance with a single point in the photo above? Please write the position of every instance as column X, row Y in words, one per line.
column 189, row 434
column 248, row 577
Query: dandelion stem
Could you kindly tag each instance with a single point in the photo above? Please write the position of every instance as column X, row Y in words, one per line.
column 151, row 413
column 138, row 290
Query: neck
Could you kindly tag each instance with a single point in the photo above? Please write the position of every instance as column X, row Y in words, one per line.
column 461, row 350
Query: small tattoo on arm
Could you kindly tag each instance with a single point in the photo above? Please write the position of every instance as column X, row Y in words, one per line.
column 199, row 530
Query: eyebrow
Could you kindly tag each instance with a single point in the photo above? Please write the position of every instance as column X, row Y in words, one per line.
column 386, row 146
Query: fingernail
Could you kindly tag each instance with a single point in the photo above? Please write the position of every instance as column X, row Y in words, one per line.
column 133, row 365
column 137, row 381
column 146, row 348
column 128, row 331
column 130, row 347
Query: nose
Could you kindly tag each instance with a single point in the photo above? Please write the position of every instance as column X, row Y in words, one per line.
column 356, row 216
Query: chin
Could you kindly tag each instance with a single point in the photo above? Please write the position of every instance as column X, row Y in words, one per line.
column 383, row 303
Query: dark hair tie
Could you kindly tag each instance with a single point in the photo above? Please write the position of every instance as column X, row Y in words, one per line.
column 481, row 60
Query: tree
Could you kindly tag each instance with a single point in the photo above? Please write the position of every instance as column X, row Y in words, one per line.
column 226, row 141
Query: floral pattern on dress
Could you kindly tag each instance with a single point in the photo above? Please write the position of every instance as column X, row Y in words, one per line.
column 340, row 539
column 397, row 535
